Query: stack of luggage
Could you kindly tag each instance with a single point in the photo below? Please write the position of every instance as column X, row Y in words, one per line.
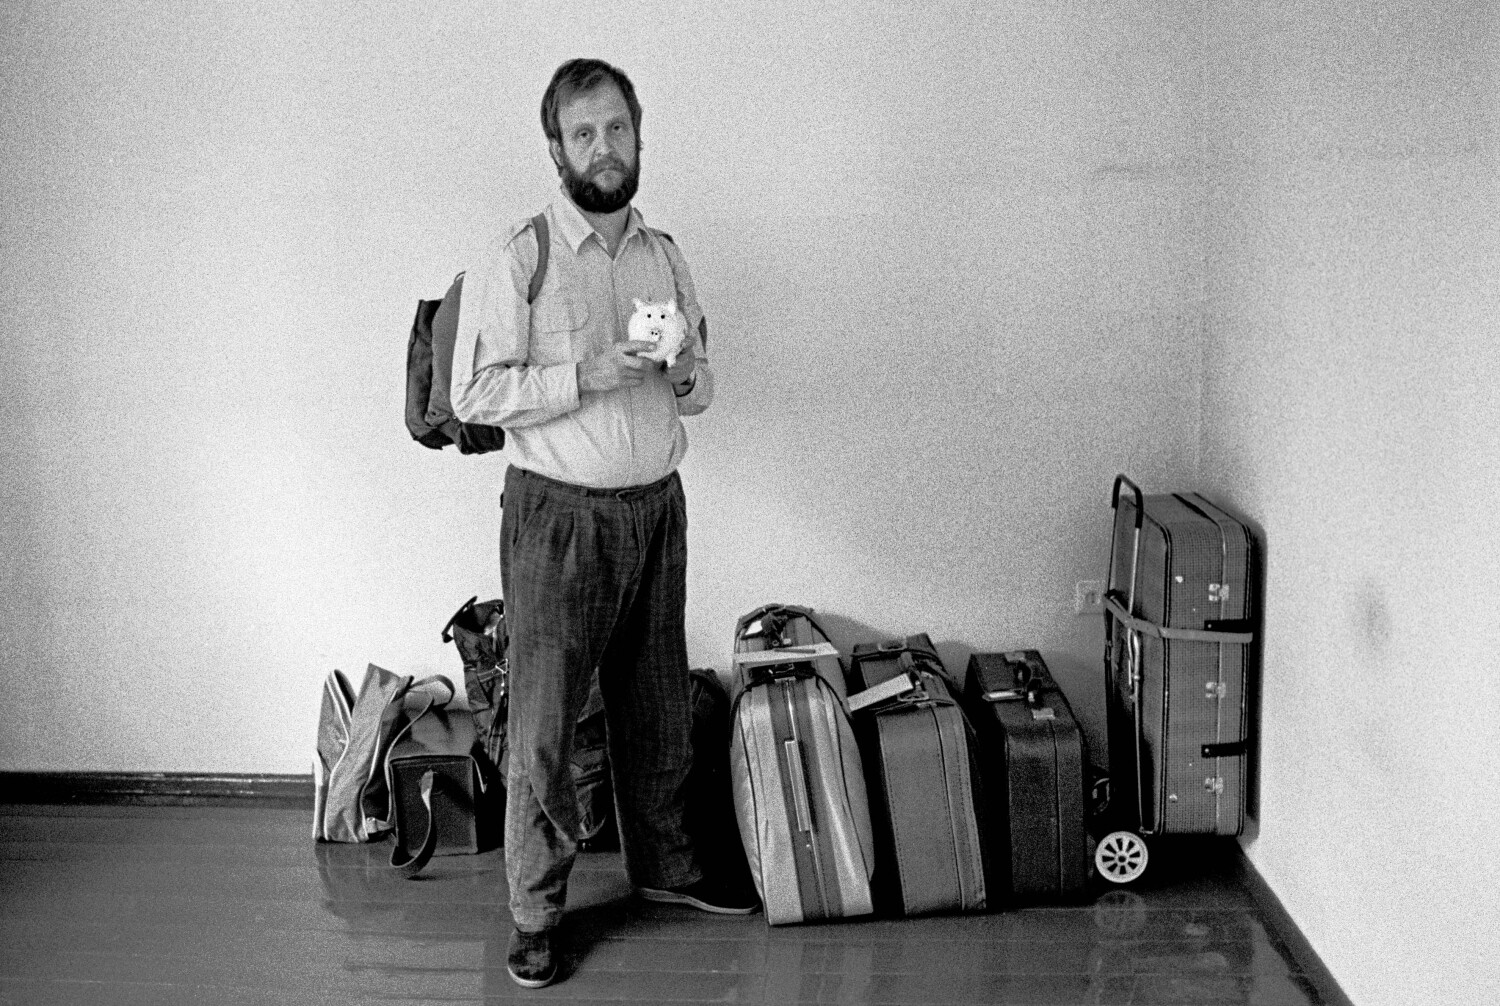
column 884, row 786
column 889, row 787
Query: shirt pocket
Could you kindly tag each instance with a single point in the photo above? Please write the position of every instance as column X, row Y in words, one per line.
column 558, row 324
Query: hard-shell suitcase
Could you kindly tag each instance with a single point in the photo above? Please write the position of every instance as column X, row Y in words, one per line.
column 1036, row 773
column 799, row 787
column 921, row 773
column 1179, row 631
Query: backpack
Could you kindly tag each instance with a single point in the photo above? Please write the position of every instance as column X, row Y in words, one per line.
column 429, row 366
column 429, row 363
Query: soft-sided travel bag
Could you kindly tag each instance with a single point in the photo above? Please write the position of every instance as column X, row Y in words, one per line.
column 799, row 786
column 478, row 630
column 1179, row 628
column 1035, row 774
column 351, row 799
column 921, row 774
column 438, row 793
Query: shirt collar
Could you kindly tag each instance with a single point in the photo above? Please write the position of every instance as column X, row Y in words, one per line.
column 576, row 229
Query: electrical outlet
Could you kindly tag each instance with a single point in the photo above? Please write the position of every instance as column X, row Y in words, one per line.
column 1088, row 597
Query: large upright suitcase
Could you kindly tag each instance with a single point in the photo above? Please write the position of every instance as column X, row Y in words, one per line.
column 1180, row 622
column 799, row 787
column 921, row 773
column 1036, row 769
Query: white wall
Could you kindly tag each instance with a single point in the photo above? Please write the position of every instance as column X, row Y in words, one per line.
column 952, row 283
column 1353, row 189
column 964, row 263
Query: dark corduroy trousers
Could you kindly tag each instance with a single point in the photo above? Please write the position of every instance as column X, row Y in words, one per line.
column 594, row 578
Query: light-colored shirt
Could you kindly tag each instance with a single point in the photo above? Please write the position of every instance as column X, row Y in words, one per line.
column 515, row 365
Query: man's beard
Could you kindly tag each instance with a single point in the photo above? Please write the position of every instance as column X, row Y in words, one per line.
column 593, row 199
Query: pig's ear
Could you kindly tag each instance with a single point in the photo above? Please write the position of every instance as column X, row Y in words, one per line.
column 672, row 306
column 639, row 303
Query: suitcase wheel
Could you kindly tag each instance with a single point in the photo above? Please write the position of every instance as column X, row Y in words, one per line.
column 1121, row 857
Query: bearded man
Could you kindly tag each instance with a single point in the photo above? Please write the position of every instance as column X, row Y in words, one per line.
column 593, row 530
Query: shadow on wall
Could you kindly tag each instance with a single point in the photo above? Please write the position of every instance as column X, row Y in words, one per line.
column 847, row 633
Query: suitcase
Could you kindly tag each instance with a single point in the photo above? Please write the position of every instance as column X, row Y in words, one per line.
column 921, row 773
column 799, row 788
column 1035, row 775
column 1180, row 619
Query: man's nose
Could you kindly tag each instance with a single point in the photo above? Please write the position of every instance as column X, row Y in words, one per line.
column 607, row 145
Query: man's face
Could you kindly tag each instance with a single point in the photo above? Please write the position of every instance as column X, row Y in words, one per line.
column 598, row 158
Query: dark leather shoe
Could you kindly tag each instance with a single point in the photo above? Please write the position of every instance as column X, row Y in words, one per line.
column 532, row 960
column 707, row 896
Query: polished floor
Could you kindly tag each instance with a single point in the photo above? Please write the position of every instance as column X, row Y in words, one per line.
column 236, row 905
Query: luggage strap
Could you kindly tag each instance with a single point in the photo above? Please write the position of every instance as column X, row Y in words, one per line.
column 894, row 648
column 772, row 619
column 1112, row 602
column 409, row 864
column 909, row 688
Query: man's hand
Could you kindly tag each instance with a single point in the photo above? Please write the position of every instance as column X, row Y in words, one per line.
column 681, row 372
column 619, row 366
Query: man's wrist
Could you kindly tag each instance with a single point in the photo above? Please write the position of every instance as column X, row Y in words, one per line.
column 685, row 387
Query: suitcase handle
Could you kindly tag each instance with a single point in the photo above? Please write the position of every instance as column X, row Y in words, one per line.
column 797, row 776
column 1140, row 500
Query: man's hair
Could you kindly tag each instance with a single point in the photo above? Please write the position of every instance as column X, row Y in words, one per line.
column 577, row 76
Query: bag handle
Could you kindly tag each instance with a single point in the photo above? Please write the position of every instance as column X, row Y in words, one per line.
column 411, row 865
column 466, row 608
column 422, row 687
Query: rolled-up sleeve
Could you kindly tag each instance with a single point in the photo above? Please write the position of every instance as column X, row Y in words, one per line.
column 493, row 381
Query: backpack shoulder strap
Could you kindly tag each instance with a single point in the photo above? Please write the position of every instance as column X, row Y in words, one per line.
column 543, row 248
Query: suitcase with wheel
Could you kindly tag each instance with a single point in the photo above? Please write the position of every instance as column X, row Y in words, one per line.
column 921, row 773
column 799, row 787
column 1035, row 772
column 1179, row 627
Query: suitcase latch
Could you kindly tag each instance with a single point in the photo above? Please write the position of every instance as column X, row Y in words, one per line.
column 1218, row 593
column 1043, row 713
column 1214, row 784
column 1215, row 690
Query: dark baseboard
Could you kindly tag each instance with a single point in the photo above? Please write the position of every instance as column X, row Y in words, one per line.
column 1284, row 929
column 157, row 789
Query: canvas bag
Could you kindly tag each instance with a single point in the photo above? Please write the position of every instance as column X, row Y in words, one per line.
column 478, row 630
column 439, row 796
column 351, row 798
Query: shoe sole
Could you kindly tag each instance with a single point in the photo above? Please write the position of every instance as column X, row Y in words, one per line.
column 533, row 983
column 673, row 898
